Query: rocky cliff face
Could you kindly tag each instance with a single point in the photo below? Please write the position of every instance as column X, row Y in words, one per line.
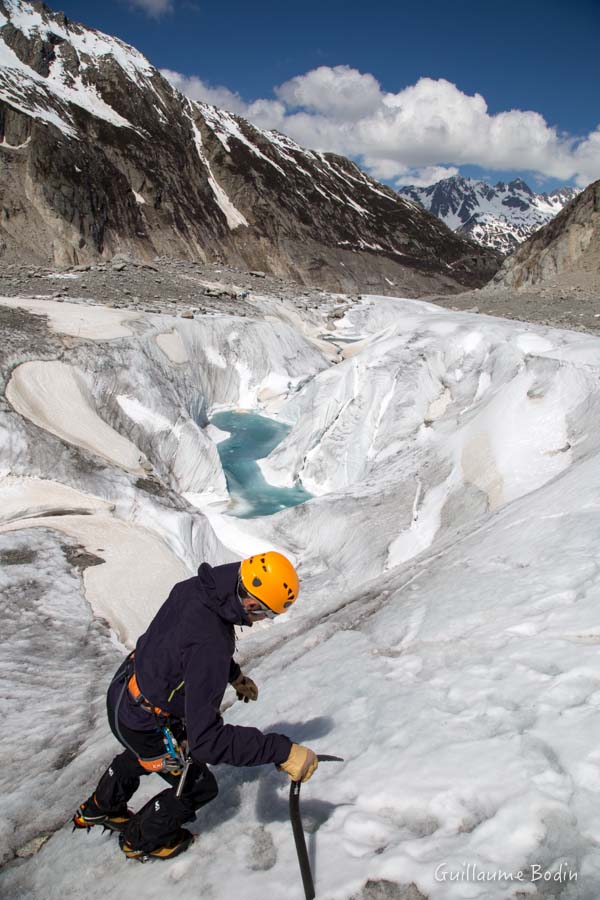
column 564, row 252
column 499, row 216
column 99, row 154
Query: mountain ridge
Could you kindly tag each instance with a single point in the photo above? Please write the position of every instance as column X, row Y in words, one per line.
column 101, row 155
column 499, row 216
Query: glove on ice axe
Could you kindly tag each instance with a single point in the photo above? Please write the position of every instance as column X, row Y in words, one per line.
column 307, row 879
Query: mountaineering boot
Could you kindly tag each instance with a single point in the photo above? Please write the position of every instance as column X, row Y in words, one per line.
column 89, row 813
column 173, row 847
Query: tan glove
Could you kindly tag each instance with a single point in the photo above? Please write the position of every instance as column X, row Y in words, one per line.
column 301, row 763
column 245, row 688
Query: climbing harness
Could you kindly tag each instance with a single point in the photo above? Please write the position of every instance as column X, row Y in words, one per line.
column 174, row 760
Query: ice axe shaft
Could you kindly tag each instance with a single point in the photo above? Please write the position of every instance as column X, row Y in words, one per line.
column 183, row 776
column 299, row 839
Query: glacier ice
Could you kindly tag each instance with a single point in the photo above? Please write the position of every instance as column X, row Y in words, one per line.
column 445, row 641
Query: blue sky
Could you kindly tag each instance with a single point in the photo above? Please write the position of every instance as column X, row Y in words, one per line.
column 528, row 56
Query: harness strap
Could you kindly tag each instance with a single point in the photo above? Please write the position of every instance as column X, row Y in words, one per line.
column 140, row 700
column 154, row 765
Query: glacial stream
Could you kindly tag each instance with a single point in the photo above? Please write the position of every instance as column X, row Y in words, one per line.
column 253, row 437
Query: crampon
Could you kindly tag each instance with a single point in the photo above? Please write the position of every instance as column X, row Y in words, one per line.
column 90, row 814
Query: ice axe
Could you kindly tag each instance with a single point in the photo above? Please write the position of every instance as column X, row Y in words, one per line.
column 307, row 879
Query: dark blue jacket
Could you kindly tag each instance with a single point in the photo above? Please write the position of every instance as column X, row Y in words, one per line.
column 192, row 640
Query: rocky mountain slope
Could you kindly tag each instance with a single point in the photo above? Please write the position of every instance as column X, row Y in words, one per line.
column 99, row 154
column 563, row 254
column 500, row 216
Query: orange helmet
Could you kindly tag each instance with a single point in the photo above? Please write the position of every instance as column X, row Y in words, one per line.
column 270, row 578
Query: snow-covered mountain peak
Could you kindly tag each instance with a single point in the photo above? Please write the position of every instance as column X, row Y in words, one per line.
column 501, row 216
column 49, row 64
column 517, row 184
column 37, row 22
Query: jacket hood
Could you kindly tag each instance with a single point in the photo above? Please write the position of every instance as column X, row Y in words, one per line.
column 219, row 584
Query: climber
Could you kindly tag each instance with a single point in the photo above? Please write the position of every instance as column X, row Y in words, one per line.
column 164, row 701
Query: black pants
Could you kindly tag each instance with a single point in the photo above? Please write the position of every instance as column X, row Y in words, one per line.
column 161, row 818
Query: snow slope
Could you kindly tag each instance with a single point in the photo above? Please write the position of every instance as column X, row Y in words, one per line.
column 445, row 641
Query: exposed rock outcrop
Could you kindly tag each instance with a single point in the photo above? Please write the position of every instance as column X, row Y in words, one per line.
column 565, row 253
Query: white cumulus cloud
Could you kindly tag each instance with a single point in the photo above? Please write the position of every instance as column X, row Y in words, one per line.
column 154, row 8
column 197, row 89
column 418, row 135
column 424, row 176
column 264, row 113
column 340, row 93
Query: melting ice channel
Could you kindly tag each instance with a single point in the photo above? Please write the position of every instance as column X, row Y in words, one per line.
column 253, row 437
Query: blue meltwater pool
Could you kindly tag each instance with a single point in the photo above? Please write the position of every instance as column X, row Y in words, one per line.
column 253, row 437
